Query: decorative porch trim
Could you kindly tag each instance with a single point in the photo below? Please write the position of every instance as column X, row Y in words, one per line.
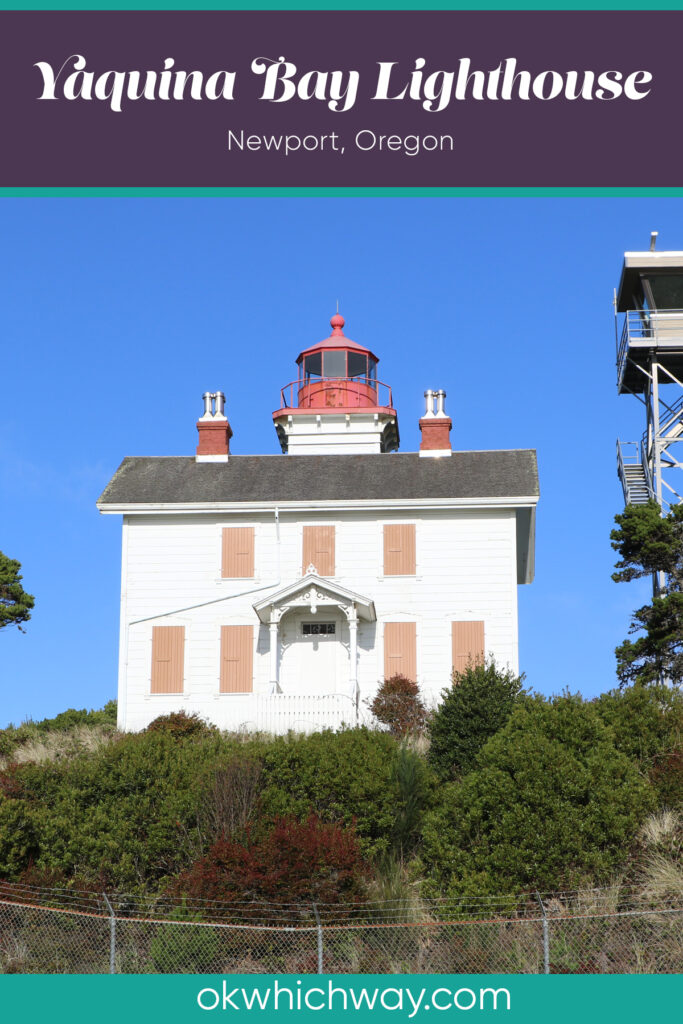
column 313, row 592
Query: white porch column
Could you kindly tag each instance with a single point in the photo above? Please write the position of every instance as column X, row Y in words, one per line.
column 274, row 651
column 352, row 616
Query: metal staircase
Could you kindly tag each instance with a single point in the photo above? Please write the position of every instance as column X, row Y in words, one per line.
column 644, row 467
column 633, row 473
column 635, row 490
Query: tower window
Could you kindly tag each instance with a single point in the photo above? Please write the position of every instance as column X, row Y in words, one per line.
column 666, row 291
column 358, row 364
column 313, row 365
column 335, row 364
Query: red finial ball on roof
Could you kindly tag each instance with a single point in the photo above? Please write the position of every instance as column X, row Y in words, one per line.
column 337, row 322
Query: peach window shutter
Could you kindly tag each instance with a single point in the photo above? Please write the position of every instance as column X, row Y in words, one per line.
column 318, row 549
column 399, row 549
column 400, row 650
column 237, row 651
column 238, row 552
column 468, row 644
column 168, row 659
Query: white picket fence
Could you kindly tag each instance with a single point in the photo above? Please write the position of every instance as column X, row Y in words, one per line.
column 279, row 712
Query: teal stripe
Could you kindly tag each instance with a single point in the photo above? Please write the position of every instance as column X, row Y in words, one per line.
column 339, row 5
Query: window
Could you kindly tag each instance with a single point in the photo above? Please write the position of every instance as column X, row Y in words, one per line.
column 238, row 552
column 358, row 364
column 237, row 656
column 468, row 644
column 168, row 659
column 399, row 549
column 666, row 290
column 400, row 650
column 313, row 366
column 334, row 364
column 318, row 628
column 318, row 549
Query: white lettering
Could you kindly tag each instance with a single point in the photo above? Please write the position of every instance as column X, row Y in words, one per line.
column 213, row 993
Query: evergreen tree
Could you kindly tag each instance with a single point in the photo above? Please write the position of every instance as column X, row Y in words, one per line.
column 15, row 603
column 650, row 543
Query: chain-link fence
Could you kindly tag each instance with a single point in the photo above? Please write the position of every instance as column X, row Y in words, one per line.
column 598, row 932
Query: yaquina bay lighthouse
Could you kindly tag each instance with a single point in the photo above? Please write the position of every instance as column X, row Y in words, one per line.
column 276, row 592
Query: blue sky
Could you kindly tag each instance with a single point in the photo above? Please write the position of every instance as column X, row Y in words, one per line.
column 116, row 314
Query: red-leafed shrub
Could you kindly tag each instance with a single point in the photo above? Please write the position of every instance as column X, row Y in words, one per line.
column 398, row 704
column 11, row 782
column 52, row 886
column 667, row 776
column 295, row 862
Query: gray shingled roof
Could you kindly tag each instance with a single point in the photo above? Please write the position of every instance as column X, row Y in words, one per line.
column 253, row 478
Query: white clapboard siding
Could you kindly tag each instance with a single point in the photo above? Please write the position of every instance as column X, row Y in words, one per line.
column 465, row 571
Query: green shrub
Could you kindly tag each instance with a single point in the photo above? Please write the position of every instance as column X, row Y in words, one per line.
column 184, row 948
column 473, row 709
column 19, row 837
column 647, row 721
column 120, row 813
column 181, row 726
column 340, row 777
column 71, row 717
column 13, row 736
column 413, row 785
column 551, row 804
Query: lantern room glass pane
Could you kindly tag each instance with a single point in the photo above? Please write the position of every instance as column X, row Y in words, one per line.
column 358, row 364
column 667, row 291
column 372, row 370
column 335, row 364
column 313, row 366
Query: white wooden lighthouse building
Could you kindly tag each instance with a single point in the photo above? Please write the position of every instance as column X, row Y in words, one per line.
column 276, row 592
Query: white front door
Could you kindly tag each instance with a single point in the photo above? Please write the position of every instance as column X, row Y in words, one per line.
column 311, row 648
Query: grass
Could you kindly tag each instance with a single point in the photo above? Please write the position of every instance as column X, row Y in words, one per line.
column 39, row 749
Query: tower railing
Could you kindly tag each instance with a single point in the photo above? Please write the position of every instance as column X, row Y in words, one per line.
column 356, row 392
column 654, row 327
column 627, row 455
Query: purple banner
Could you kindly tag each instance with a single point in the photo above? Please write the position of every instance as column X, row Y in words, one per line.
column 341, row 99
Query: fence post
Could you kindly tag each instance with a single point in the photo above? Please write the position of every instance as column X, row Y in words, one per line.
column 112, row 935
column 546, row 941
column 320, row 939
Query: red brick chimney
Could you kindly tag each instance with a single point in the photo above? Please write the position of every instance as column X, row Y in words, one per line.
column 214, row 430
column 435, row 426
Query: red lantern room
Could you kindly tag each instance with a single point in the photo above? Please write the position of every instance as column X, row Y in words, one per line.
column 337, row 372
column 337, row 386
